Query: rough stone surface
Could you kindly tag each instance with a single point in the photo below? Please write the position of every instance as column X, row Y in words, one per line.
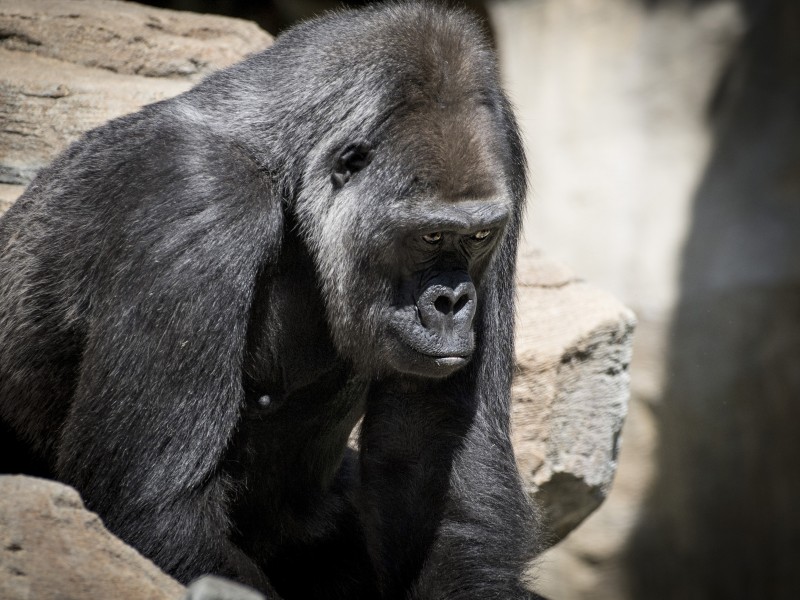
column 51, row 548
column 9, row 193
column 126, row 37
column 66, row 67
column 570, row 391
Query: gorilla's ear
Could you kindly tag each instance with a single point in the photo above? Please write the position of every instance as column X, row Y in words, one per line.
column 350, row 160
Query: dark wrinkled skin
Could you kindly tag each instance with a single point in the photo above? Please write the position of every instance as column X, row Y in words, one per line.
column 201, row 299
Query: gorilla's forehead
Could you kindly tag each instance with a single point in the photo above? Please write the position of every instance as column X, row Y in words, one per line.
column 452, row 150
column 444, row 124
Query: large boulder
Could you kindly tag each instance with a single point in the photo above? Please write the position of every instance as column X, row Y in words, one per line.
column 570, row 390
column 66, row 67
column 51, row 548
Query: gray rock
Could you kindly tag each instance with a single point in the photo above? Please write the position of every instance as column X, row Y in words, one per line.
column 51, row 548
column 9, row 193
column 570, row 391
column 66, row 67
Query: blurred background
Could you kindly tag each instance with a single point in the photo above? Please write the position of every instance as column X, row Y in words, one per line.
column 664, row 143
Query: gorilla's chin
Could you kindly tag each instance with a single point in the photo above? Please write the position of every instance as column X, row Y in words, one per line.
column 415, row 352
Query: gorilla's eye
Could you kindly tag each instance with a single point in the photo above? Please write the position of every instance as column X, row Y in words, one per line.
column 433, row 238
column 482, row 234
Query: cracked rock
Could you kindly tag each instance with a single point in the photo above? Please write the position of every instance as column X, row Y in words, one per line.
column 66, row 67
column 51, row 548
column 570, row 390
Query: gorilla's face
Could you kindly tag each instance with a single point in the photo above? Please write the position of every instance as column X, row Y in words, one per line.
column 402, row 239
column 440, row 252
column 405, row 298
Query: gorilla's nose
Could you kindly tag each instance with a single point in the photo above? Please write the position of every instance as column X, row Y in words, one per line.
column 447, row 309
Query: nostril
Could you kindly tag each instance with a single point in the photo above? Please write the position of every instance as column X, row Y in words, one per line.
column 443, row 305
column 445, row 308
column 460, row 303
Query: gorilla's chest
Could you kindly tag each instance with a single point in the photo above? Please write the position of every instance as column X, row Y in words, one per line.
column 296, row 385
column 289, row 346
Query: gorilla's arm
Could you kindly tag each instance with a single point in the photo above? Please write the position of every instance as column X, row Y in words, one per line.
column 159, row 389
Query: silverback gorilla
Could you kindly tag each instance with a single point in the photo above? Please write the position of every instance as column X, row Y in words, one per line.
column 200, row 300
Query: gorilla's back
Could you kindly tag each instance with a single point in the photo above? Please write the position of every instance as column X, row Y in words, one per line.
column 59, row 242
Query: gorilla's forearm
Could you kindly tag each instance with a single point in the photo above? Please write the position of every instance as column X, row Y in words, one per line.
column 442, row 502
column 487, row 535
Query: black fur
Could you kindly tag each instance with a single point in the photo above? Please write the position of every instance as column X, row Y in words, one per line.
column 200, row 300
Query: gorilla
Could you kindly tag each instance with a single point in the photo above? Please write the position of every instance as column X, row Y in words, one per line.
column 201, row 300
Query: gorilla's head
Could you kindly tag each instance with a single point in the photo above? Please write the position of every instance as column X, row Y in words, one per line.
column 406, row 201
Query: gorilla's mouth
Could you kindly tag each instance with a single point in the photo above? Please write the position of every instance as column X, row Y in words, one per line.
column 415, row 351
column 448, row 361
column 414, row 362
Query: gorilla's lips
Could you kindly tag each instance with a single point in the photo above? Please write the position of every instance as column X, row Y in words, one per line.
column 451, row 361
column 418, row 351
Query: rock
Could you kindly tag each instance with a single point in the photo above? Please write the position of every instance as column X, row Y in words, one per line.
column 570, row 390
column 45, row 104
column 613, row 98
column 53, row 548
column 127, row 38
column 66, row 67
column 9, row 193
